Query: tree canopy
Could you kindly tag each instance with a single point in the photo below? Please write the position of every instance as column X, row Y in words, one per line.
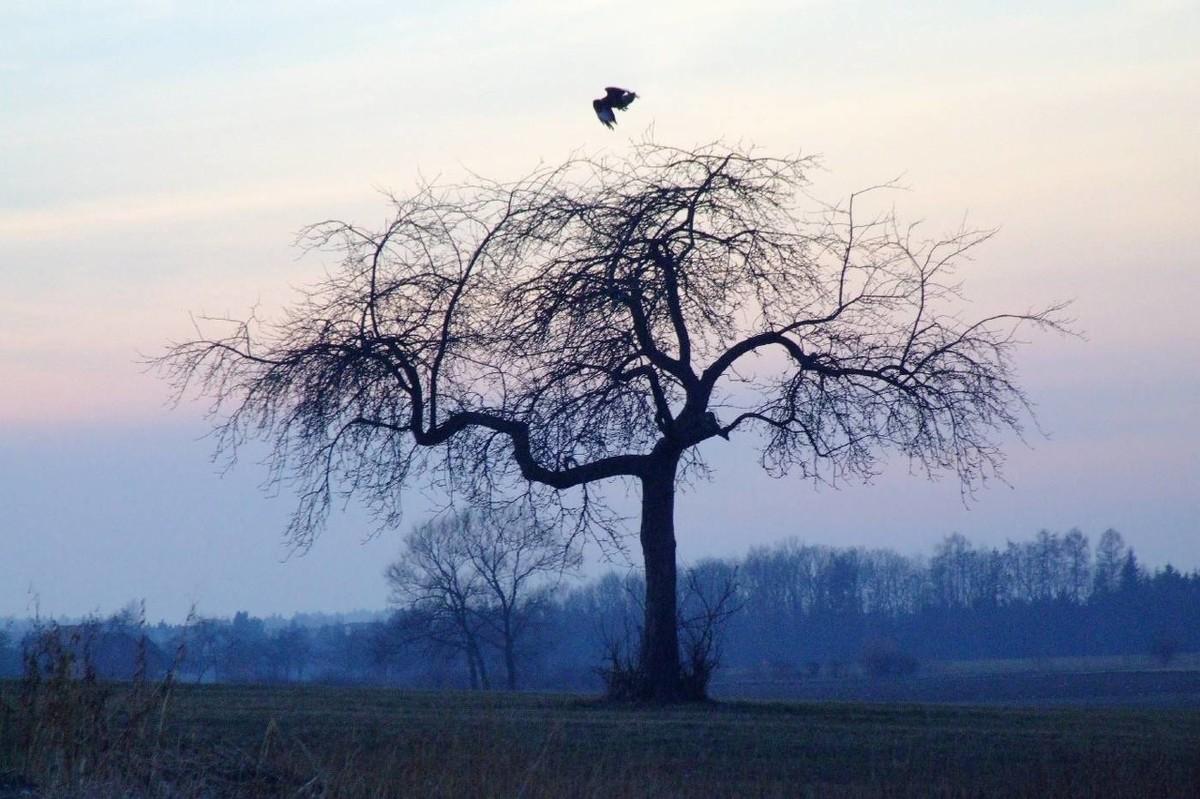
column 599, row 319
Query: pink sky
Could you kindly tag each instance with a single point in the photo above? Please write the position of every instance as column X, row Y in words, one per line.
column 157, row 161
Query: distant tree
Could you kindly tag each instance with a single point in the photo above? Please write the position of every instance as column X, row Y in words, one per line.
column 839, row 585
column 1045, row 553
column 1131, row 575
column 289, row 648
column 776, row 580
column 244, row 650
column 893, row 584
column 1110, row 555
column 1019, row 573
column 10, row 661
column 518, row 563
column 335, row 653
column 1036, row 568
column 472, row 577
column 1077, row 557
column 438, row 591
column 201, row 639
column 991, row 590
column 602, row 320
column 952, row 572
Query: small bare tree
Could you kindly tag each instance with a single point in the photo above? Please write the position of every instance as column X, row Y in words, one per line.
column 518, row 563
column 479, row 577
column 601, row 320
column 435, row 584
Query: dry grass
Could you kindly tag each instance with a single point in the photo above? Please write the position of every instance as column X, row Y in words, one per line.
column 223, row 741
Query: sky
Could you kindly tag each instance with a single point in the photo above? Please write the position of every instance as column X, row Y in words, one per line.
column 158, row 158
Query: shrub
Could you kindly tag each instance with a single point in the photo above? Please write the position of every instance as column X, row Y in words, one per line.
column 883, row 658
column 1164, row 648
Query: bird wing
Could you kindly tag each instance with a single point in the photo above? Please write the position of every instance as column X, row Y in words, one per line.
column 604, row 113
column 614, row 92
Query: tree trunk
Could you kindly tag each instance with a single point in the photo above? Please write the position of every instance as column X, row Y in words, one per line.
column 510, row 655
column 471, row 668
column 480, row 665
column 660, row 632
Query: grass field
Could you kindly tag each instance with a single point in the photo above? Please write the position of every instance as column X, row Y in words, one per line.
column 1145, row 689
column 312, row 741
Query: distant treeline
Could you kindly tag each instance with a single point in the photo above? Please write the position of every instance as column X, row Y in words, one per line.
column 801, row 610
column 1049, row 597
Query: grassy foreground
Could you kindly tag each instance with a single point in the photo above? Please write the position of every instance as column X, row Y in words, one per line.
column 223, row 741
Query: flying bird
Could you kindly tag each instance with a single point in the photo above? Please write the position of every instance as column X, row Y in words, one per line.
column 613, row 98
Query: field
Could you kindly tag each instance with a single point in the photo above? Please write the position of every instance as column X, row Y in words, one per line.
column 1132, row 681
column 314, row 741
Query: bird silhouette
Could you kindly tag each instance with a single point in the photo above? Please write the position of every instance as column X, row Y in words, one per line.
column 614, row 98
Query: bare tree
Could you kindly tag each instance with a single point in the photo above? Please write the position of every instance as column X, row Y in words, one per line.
column 436, row 584
column 1078, row 565
column 1110, row 554
column 482, row 576
column 600, row 320
column 518, row 562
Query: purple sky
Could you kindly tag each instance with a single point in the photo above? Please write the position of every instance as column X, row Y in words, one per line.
column 156, row 160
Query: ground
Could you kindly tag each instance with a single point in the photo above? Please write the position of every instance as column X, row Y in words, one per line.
column 320, row 741
column 1101, row 681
